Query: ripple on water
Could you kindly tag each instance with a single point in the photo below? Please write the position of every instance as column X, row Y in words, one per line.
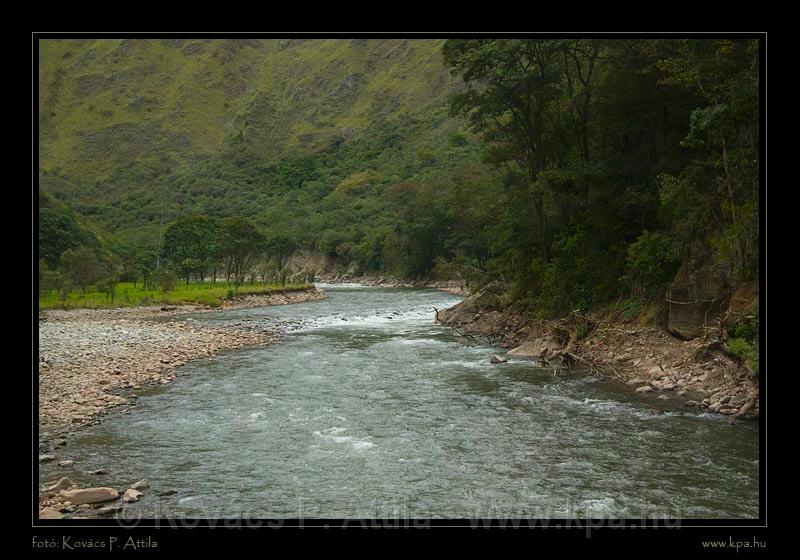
column 367, row 408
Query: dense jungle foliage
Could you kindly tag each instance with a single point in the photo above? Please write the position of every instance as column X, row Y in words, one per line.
column 579, row 171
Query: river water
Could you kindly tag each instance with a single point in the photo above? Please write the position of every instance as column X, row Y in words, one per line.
column 370, row 410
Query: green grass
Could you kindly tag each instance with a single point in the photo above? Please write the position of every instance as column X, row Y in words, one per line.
column 205, row 293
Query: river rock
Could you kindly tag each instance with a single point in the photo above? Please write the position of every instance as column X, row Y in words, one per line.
column 67, row 507
column 99, row 471
column 108, row 510
column 50, row 513
column 131, row 495
column 469, row 308
column 46, row 458
column 62, row 484
column 535, row 349
column 644, row 389
column 81, row 496
column 140, row 485
column 498, row 359
column 695, row 299
column 66, row 463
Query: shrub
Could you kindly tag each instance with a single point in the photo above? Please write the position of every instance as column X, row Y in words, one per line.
column 582, row 330
column 631, row 308
column 652, row 261
column 742, row 330
column 167, row 280
column 745, row 352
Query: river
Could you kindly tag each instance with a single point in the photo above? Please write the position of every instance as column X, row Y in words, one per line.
column 370, row 410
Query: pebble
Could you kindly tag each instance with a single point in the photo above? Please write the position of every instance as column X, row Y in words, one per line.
column 85, row 347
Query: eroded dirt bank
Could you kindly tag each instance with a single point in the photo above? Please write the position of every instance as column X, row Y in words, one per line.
column 702, row 372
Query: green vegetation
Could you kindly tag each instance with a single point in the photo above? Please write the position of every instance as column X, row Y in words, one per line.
column 620, row 160
column 579, row 172
column 743, row 339
column 745, row 352
column 127, row 294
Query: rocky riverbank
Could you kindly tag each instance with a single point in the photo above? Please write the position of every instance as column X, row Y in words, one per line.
column 701, row 372
column 451, row 286
column 94, row 360
column 88, row 357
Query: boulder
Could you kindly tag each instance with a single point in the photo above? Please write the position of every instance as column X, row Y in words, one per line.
column 465, row 312
column 131, row 496
column 535, row 349
column 498, row 359
column 62, row 484
column 46, row 458
column 644, row 389
column 81, row 496
column 140, row 485
column 108, row 510
column 696, row 298
column 50, row 513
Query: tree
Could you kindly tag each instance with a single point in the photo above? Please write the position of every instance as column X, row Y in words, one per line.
column 58, row 231
column 240, row 241
column 281, row 248
column 82, row 266
column 48, row 278
column 145, row 262
column 108, row 286
column 190, row 245
column 725, row 76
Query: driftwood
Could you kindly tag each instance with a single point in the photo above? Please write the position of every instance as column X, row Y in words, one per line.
column 567, row 332
column 465, row 335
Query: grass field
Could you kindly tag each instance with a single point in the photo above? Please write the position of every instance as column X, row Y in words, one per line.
column 205, row 293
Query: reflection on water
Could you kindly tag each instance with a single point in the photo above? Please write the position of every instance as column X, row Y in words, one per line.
column 368, row 409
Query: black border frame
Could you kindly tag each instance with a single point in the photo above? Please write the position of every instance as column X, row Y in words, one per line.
column 570, row 526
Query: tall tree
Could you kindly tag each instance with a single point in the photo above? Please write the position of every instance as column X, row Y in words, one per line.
column 240, row 241
column 189, row 244
column 281, row 248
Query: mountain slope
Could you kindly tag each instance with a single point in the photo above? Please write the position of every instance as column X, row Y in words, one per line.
column 131, row 130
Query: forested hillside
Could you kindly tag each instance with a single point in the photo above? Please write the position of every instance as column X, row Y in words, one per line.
column 579, row 172
column 136, row 132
